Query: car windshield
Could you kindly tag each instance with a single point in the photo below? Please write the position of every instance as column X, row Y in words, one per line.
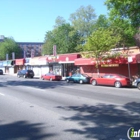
column 50, row 74
column 30, row 71
column 85, row 75
column 122, row 76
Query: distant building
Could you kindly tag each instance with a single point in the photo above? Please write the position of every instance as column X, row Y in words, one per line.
column 2, row 37
column 31, row 49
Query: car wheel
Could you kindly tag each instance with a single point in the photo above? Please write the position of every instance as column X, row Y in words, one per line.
column 51, row 79
column 42, row 78
column 138, row 86
column 117, row 84
column 94, row 83
column 67, row 81
column 18, row 76
column 81, row 81
column 31, row 76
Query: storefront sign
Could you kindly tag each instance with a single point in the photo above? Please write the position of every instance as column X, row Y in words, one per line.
column 19, row 62
column 110, row 65
column 130, row 59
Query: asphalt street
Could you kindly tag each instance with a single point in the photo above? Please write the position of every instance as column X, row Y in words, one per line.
column 33, row 109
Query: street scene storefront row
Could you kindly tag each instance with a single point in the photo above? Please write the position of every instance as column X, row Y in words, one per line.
column 67, row 64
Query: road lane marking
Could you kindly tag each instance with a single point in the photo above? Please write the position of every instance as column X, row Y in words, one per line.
column 2, row 94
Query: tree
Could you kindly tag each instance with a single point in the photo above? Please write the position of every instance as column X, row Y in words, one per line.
column 59, row 21
column 101, row 41
column 126, row 30
column 123, row 26
column 125, row 9
column 65, row 37
column 83, row 19
column 49, row 42
column 101, row 22
column 7, row 47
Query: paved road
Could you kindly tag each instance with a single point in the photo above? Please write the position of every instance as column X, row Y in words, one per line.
column 32, row 109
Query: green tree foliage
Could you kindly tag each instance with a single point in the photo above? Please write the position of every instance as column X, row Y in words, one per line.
column 59, row 21
column 127, row 32
column 7, row 47
column 125, row 9
column 64, row 37
column 123, row 26
column 101, row 22
column 49, row 42
column 101, row 41
column 83, row 19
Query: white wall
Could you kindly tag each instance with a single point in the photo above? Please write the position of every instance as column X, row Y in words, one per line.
column 44, row 70
column 40, row 70
column 11, row 70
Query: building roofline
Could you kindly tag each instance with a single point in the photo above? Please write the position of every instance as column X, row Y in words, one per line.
column 31, row 42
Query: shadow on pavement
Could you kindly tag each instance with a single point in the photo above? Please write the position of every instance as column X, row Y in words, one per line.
column 23, row 130
column 43, row 84
column 104, row 122
column 38, row 83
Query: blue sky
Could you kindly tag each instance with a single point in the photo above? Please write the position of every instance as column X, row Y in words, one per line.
column 29, row 20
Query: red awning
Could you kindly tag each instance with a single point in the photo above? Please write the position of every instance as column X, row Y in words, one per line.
column 84, row 61
column 19, row 61
column 68, row 58
column 134, row 58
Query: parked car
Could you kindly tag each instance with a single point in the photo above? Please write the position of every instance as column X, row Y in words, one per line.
column 116, row 80
column 25, row 73
column 78, row 78
column 1, row 72
column 136, row 83
column 51, row 77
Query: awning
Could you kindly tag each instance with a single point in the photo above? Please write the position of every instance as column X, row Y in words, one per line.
column 34, row 61
column 136, row 58
column 19, row 61
column 68, row 58
column 84, row 61
column 43, row 60
column 132, row 58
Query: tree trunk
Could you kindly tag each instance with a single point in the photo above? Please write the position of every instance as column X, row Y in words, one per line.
column 98, row 73
column 97, row 67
